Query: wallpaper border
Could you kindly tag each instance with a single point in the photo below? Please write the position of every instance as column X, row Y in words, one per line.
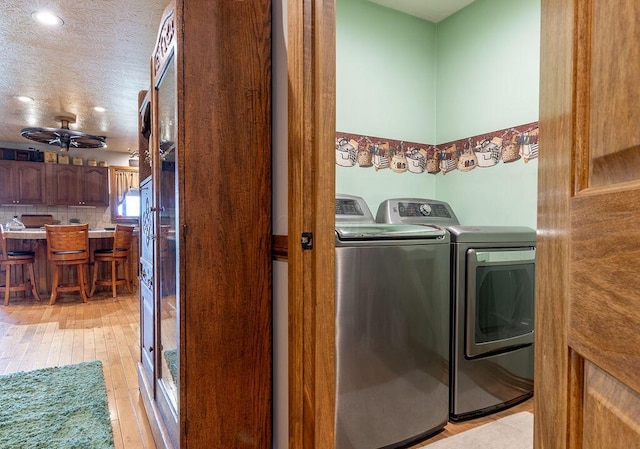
column 506, row 145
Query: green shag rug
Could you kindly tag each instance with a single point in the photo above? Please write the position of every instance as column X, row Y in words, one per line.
column 59, row 407
column 171, row 356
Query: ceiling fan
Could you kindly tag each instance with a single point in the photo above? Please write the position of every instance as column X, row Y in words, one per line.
column 63, row 136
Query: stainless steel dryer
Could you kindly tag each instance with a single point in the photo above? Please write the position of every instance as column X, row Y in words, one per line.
column 392, row 333
column 492, row 307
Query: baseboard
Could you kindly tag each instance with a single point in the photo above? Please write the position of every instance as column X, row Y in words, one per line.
column 158, row 429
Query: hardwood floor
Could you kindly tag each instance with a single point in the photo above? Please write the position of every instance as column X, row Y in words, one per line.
column 36, row 335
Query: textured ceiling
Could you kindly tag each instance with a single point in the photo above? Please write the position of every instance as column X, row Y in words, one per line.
column 99, row 57
column 431, row 10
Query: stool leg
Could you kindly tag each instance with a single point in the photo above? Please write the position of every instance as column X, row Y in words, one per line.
column 127, row 275
column 7, row 285
column 114, row 277
column 95, row 277
column 20, row 280
column 54, row 284
column 82, row 281
column 32, row 281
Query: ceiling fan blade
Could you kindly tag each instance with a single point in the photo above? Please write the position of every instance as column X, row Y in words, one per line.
column 88, row 141
column 60, row 136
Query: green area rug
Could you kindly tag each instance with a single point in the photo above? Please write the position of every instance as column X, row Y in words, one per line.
column 59, row 407
column 171, row 356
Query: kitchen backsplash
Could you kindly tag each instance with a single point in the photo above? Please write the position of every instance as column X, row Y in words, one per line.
column 96, row 217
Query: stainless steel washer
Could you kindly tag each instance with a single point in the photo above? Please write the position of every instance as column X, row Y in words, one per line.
column 392, row 341
column 492, row 307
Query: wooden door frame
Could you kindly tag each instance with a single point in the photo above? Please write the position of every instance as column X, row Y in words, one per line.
column 311, row 192
column 555, row 179
column 311, row 64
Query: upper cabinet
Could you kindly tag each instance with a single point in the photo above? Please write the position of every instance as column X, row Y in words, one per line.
column 75, row 185
column 22, row 183
column 95, row 185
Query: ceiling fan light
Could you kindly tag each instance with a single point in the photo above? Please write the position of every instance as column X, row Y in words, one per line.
column 65, row 140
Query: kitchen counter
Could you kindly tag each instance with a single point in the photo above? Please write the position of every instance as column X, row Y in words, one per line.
column 41, row 234
column 35, row 239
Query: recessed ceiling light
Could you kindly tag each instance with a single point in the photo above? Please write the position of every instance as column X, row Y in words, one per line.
column 25, row 99
column 47, row 18
column 99, row 109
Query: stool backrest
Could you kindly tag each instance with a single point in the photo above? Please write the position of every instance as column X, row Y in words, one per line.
column 3, row 244
column 68, row 242
column 122, row 239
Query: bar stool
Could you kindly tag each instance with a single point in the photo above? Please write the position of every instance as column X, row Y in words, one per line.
column 68, row 245
column 9, row 259
column 119, row 253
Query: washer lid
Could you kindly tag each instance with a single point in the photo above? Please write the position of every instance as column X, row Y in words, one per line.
column 488, row 234
column 388, row 232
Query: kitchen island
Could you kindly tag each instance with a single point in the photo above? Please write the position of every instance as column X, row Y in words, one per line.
column 36, row 240
column 41, row 234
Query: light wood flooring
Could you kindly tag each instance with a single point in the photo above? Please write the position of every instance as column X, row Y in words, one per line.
column 35, row 335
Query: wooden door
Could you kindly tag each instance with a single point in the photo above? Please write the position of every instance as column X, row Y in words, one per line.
column 588, row 283
column 147, row 315
column 311, row 63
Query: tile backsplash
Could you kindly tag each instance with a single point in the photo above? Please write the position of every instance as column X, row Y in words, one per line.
column 96, row 217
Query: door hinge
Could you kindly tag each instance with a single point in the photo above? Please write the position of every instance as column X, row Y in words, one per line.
column 306, row 240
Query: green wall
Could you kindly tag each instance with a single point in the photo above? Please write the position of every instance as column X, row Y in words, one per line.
column 488, row 76
column 385, row 87
column 404, row 78
column 488, row 68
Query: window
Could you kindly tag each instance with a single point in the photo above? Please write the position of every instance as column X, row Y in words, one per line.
column 124, row 196
column 130, row 204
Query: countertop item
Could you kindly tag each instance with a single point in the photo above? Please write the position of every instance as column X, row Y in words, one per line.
column 41, row 234
column 37, row 221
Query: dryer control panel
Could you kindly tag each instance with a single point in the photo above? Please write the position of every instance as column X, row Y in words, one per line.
column 416, row 211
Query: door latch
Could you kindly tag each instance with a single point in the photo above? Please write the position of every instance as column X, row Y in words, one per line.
column 306, row 240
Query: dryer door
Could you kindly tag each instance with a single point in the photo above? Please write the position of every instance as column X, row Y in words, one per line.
column 500, row 299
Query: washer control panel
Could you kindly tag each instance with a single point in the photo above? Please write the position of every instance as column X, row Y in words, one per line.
column 416, row 211
column 352, row 209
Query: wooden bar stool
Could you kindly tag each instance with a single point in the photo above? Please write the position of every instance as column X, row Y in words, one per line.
column 68, row 245
column 119, row 253
column 9, row 259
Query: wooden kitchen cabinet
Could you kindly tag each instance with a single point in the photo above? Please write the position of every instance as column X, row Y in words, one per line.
column 22, row 183
column 78, row 185
column 205, row 371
